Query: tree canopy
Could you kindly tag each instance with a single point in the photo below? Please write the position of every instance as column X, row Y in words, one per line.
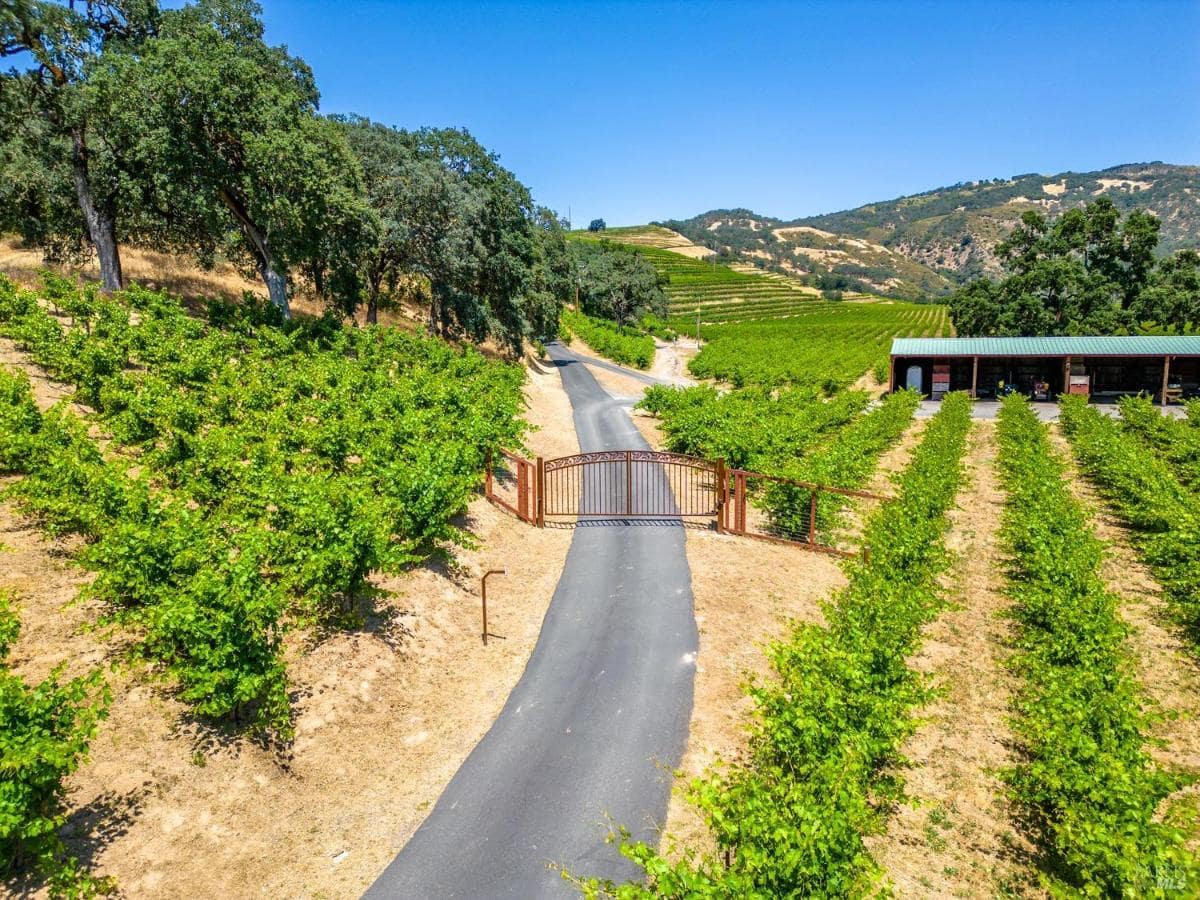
column 224, row 133
column 617, row 283
column 64, row 184
column 1089, row 271
column 183, row 130
column 458, row 230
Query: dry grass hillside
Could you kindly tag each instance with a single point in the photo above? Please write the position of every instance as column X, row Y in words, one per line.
column 173, row 274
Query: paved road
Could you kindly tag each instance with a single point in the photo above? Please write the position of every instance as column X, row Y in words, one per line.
column 595, row 724
column 643, row 377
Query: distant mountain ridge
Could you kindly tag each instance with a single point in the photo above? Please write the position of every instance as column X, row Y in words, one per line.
column 930, row 242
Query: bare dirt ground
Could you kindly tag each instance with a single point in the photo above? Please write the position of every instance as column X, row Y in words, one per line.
column 46, row 391
column 385, row 715
column 1168, row 674
column 867, row 382
column 954, row 839
column 895, row 460
column 621, row 387
column 891, row 463
column 671, row 359
column 670, row 363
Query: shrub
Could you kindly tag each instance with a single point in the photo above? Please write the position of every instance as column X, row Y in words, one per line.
column 1145, row 492
column 626, row 346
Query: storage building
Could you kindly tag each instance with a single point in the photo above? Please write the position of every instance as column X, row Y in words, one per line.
column 1104, row 368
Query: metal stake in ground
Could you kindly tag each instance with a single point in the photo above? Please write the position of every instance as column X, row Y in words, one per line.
column 483, row 594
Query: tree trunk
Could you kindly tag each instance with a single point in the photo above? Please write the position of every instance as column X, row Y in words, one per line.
column 269, row 269
column 101, row 222
column 276, row 283
column 373, row 305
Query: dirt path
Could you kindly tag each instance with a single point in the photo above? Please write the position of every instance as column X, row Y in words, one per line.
column 956, row 839
column 895, row 459
column 671, row 359
column 385, row 714
column 891, row 463
column 1169, row 676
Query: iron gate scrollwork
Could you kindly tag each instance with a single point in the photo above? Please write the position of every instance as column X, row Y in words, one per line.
column 643, row 484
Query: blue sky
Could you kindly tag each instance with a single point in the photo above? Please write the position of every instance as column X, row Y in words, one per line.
column 639, row 111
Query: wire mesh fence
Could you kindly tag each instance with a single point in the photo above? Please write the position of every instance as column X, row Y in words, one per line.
column 788, row 511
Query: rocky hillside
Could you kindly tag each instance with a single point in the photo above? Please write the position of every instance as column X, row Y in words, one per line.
column 927, row 243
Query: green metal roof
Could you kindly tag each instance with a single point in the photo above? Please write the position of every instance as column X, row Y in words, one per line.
column 1141, row 345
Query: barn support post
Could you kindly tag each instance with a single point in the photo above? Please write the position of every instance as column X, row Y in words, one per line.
column 892, row 376
column 1066, row 384
column 1166, row 378
column 974, row 377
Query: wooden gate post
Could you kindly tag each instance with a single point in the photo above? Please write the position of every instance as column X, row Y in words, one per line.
column 739, row 503
column 539, row 492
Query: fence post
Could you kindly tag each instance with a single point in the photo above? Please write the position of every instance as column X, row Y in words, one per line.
column 483, row 597
column 487, row 478
column 722, row 494
column 739, row 503
column 812, row 516
column 539, row 492
column 523, row 489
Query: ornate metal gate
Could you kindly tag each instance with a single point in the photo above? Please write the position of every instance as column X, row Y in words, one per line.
column 621, row 484
column 648, row 484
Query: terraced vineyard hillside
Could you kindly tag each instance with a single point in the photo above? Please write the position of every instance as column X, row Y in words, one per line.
column 766, row 328
column 696, row 285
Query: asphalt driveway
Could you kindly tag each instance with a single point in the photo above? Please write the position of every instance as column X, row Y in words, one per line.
column 595, row 725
